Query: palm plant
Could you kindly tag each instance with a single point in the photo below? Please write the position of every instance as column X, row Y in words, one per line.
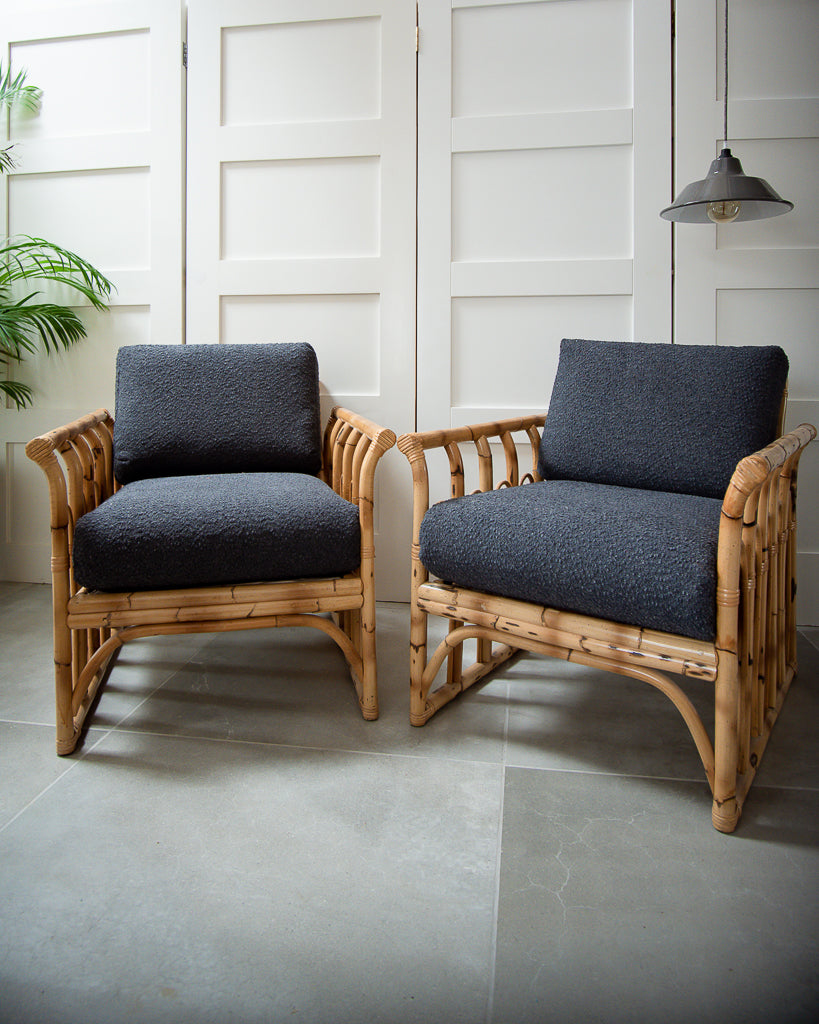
column 27, row 323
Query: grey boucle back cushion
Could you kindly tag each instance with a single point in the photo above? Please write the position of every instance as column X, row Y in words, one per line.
column 188, row 409
column 661, row 417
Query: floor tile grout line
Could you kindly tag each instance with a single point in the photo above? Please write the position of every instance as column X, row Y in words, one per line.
column 42, row 793
column 23, row 721
column 238, row 741
column 656, row 778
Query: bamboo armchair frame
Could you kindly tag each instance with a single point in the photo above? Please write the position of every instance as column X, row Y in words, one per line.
column 89, row 627
column 751, row 663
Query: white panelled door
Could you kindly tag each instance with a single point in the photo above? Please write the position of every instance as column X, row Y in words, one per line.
column 544, row 156
column 100, row 172
column 301, row 206
column 757, row 282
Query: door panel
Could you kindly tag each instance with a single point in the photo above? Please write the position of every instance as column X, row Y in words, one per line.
column 544, row 155
column 301, row 187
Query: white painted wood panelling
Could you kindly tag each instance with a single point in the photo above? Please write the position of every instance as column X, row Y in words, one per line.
column 544, row 155
column 100, row 171
column 301, row 191
column 757, row 283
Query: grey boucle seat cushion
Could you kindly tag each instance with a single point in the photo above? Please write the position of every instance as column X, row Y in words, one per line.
column 640, row 557
column 663, row 417
column 216, row 409
column 174, row 532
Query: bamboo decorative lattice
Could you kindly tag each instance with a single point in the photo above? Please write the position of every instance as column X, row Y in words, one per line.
column 751, row 663
column 90, row 626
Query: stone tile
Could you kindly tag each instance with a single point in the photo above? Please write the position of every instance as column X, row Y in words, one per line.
column 233, row 842
column 28, row 765
column 620, row 903
column 811, row 633
column 171, row 880
column 567, row 716
column 27, row 666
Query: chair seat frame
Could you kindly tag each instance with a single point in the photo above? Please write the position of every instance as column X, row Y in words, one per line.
column 90, row 626
column 751, row 663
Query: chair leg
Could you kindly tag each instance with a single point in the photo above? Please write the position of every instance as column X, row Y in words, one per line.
column 369, row 678
column 455, row 661
column 64, row 668
column 67, row 734
column 726, row 807
column 418, row 660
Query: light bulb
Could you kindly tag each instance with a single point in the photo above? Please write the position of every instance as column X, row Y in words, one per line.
column 723, row 212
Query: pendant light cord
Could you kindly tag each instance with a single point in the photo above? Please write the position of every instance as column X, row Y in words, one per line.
column 725, row 85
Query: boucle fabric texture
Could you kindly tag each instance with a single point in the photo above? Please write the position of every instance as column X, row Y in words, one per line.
column 206, row 530
column 186, row 409
column 661, row 417
column 640, row 557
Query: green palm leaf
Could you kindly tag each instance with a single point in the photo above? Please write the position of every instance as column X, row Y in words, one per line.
column 34, row 259
column 27, row 326
column 15, row 93
column 20, row 394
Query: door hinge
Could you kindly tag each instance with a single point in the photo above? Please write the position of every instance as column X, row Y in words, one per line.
column 184, row 55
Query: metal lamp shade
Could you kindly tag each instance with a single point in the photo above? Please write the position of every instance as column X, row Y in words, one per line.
column 726, row 183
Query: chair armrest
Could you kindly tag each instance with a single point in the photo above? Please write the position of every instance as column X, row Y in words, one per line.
column 352, row 447
column 85, row 447
column 77, row 484
column 781, row 457
column 756, row 555
column 415, row 445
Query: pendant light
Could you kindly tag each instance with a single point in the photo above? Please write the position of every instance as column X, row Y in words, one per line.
column 726, row 194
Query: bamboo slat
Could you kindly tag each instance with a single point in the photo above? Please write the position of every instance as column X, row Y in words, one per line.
column 242, row 594
column 81, row 618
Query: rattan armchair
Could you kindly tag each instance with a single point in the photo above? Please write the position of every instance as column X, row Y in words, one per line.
column 655, row 536
column 212, row 504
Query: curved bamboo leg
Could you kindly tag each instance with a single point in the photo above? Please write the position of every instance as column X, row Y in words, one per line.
column 74, row 702
column 656, row 679
column 75, row 698
column 423, row 703
column 335, row 632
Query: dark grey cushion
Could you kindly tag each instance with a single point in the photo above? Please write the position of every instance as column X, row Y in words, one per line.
column 230, row 528
column 216, row 409
column 645, row 558
column 663, row 417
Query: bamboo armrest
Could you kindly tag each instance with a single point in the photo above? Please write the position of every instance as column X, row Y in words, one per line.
column 352, row 447
column 779, row 458
column 758, row 516
column 85, row 447
column 415, row 445
column 427, row 439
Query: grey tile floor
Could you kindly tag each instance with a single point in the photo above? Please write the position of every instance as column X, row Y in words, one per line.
column 233, row 843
